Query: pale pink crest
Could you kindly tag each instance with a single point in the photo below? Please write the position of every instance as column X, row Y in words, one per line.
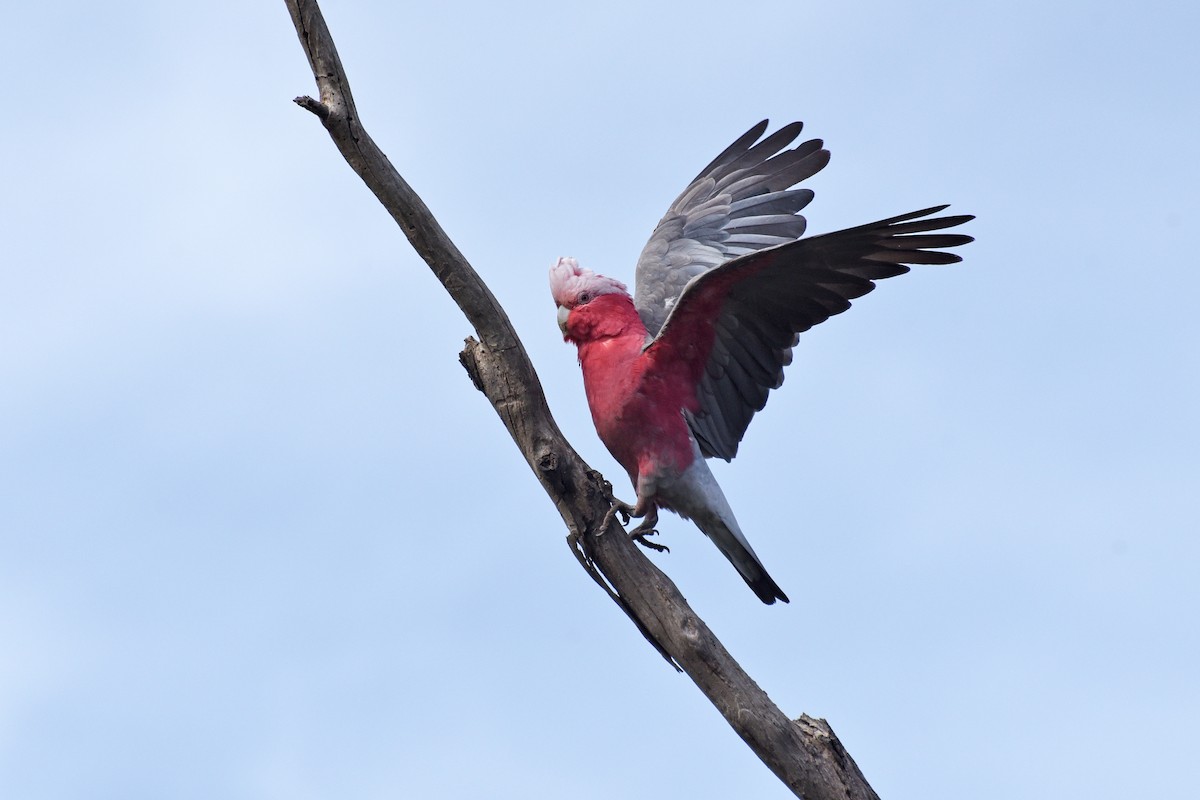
column 568, row 281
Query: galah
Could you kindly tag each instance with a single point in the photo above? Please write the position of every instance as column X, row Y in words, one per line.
column 724, row 287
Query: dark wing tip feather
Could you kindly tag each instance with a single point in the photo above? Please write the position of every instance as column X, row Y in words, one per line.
column 937, row 240
column 912, row 257
column 902, row 224
column 906, row 239
column 741, row 145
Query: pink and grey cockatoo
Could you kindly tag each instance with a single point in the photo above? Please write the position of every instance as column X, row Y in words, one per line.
column 724, row 287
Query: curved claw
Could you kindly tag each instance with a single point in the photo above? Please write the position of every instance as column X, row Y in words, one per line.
column 618, row 507
column 639, row 536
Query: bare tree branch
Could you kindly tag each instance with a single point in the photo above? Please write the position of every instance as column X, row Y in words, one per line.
column 805, row 754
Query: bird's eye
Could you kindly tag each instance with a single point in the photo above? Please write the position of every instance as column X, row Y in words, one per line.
column 585, row 297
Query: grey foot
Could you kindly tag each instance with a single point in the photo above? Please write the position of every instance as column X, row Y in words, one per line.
column 641, row 532
column 618, row 507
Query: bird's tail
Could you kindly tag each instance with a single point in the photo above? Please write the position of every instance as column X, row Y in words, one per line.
column 725, row 534
column 695, row 495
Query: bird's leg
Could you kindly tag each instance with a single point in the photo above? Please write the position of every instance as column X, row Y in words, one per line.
column 645, row 509
column 646, row 528
column 618, row 507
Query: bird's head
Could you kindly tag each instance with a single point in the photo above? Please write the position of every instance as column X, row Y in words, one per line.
column 574, row 287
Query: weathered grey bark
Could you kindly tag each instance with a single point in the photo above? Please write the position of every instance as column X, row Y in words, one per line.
column 804, row 753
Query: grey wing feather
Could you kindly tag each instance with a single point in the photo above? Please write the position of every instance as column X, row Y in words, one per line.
column 740, row 203
column 768, row 298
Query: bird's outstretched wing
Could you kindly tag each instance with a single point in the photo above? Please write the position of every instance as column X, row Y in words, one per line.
column 740, row 203
column 735, row 325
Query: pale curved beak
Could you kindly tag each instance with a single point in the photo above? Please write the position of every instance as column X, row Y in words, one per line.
column 563, row 313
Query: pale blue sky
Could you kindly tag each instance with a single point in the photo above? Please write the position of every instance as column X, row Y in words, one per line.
column 259, row 537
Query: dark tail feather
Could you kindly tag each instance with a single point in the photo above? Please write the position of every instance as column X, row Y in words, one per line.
column 767, row 590
column 733, row 546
